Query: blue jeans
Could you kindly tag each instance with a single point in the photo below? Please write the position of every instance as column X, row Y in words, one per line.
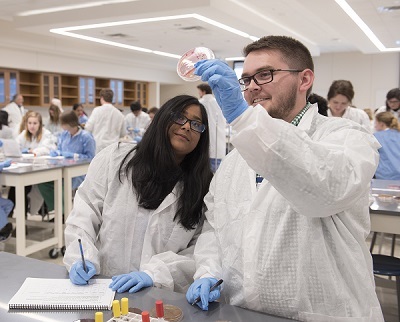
column 6, row 206
column 214, row 163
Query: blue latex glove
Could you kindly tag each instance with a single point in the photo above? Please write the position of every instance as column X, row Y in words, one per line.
column 137, row 139
column 67, row 155
column 136, row 130
column 133, row 282
column 54, row 153
column 224, row 83
column 1, row 143
column 5, row 164
column 25, row 150
column 201, row 287
column 77, row 274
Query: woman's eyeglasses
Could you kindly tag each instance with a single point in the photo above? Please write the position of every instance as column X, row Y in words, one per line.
column 180, row 119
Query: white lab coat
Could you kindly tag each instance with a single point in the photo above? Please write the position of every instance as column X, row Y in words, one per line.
column 105, row 217
column 106, row 123
column 356, row 115
column 216, row 126
column 42, row 147
column 140, row 122
column 15, row 115
column 296, row 247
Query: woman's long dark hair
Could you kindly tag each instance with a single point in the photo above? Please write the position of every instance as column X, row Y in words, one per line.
column 3, row 118
column 154, row 171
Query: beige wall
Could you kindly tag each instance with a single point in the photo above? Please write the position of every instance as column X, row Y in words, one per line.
column 372, row 77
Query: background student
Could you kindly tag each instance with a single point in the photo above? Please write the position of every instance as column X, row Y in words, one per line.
column 106, row 122
column 140, row 209
column 5, row 130
column 35, row 138
column 80, row 113
column 392, row 103
column 73, row 143
column 137, row 122
column 387, row 133
column 340, row 96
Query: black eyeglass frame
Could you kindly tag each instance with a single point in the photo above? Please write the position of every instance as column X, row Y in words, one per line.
column 252, row 77
column 177, row 115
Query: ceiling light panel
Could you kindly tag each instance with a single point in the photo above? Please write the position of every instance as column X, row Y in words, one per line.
column 185, row 31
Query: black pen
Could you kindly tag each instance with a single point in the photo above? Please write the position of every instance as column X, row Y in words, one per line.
column 212, row 288
column 83, row 257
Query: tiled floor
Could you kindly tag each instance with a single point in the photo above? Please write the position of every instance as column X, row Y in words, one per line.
column 387, row 296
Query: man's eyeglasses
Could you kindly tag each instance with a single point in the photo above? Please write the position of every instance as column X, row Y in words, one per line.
column 180, row 119
column 263, row 77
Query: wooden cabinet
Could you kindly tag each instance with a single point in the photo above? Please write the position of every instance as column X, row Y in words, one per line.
column 30, row 86
column 8, row 85
column 118, row 88
column 51, row 88
column 142, row 93
column 136, row 91
column 100, row 84
column 129, row 92
column 87, row 91
column 39, row 88
column 69, row 90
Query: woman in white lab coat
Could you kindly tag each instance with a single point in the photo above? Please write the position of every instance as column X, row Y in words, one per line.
column 35, row 138
column 140, row 209
column 340, row 97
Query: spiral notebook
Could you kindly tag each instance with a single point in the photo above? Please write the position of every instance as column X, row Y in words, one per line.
column 61, row 294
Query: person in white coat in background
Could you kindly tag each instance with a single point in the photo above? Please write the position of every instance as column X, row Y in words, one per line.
column 140, row 209
column 15, row 112
column 392, row 103
column 340, row 97
column 35, row 138
column 217, row 125
column 288, row 211
column 106, row 122
column 136, row 122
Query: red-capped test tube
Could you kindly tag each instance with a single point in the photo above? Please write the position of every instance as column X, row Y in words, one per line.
column 145, row 316
column 160, row 310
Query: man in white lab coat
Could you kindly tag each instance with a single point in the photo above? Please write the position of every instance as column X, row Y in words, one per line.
column 15, row 111
column 288, row 209
column 217, row 125
column 137, row 122
column 106, row 122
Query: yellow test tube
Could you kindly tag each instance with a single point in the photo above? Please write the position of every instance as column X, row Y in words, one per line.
column 98, row 317
column 124, row 306
column 116, row 309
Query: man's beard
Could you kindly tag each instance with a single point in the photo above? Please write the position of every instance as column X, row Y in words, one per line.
column 284, row 105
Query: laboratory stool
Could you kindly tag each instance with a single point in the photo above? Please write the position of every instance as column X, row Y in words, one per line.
column 373, row 240
column 388, row 266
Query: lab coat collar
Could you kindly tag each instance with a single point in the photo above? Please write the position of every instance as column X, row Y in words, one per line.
column 306, row 120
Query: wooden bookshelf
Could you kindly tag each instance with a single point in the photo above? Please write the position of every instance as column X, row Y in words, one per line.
column 69, row 90
column 30, row 86
column 39, row 88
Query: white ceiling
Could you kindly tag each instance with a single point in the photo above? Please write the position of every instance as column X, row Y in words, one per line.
column 321, row 24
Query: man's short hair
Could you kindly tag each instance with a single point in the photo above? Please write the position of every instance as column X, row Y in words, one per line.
column 205, row 88
column 107, row 94
column 291, row 51
column 136, row 106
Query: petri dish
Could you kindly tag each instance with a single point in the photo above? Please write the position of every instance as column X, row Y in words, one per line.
column 185, row 67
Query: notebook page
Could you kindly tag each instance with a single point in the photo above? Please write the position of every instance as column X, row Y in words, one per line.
column 42, row 293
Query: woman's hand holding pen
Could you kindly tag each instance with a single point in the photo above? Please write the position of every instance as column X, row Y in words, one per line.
column 78, row 275
column 203, row 291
